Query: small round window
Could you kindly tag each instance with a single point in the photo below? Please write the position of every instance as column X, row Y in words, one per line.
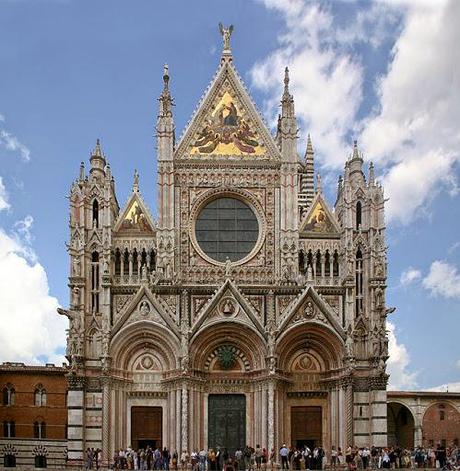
column 226, row 228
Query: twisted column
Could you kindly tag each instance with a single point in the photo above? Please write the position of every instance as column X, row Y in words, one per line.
column 184, row 441
column 105, row 419
column 349, row 410
column 271, row 416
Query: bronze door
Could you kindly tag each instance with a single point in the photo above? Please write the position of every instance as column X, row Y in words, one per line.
column 146, row 427
column 306, row 426
column 227, row 421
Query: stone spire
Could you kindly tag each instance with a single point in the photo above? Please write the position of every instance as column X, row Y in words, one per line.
column 287, row 127
column 356, row 165
column 166, row 101
column 108, row 172
column 287, row 100
column 165, row 123
column 339, row 185
column 310, row 174
column 98, row 162
column 82, row 175
column 371, row 174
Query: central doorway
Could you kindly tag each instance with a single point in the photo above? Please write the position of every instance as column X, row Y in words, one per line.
column 306, row 426
column 227, row 422
column 146, row 427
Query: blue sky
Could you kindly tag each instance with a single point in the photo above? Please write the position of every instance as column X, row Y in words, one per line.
column 382, row 72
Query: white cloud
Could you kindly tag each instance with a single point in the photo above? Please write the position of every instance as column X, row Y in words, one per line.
column 23, row 227
column 3, row 196
column 398, row 362
column 326, row 82
column 409, row 276
column 454, row 247
column 31, row 327
column 412, row 131
column 443, row 280
column 12, row 143
column 451, row 387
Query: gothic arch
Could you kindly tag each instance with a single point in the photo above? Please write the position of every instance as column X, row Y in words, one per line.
column 241, row 361
column 144, row 336
column 248, row 343
column 435, row 402
column 310, row 337
column 401, row 424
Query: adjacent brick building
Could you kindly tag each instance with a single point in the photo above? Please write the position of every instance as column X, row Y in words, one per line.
column 33, row 415
column 423, row 418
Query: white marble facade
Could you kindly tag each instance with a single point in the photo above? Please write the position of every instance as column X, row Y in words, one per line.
column 293, row 319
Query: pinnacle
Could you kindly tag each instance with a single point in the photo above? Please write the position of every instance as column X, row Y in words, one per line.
column 318, row 182
column 166, row 76
column 286, row 94
column 97, row 152
column 309, row 150
column 356, row 154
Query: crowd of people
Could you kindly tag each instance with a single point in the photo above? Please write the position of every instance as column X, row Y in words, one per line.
column 287, row 458
column 397, row 457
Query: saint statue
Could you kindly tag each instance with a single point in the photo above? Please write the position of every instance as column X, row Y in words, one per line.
column 144, row 272
column 226, row 33
column 144, row 308
column 136, row 181
column 228, row 268
column 228, row 307
column 76, row 296
column 309, row 309
column 76, row 266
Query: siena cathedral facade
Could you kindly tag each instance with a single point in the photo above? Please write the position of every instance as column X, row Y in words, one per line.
column 249, row 312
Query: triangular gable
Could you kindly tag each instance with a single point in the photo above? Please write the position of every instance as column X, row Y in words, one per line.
column 310, row 307
column 145, row 306
column 93, row 326
column 320, row 219
column 94, row 239
column 228, row 305
column 227, row 124
column 360, row 329
column 135, row 217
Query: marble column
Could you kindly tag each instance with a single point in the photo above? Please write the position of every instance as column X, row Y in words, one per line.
column 106, row 452
column 264, row 418
column 184, row 422
column 271, row 416
column 178, row 423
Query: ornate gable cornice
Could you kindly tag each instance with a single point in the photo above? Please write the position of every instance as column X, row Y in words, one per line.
column 227, row 73
column 164, row 318
column 135, row 197
column 228, row 287
column 334, row 228
column 325, row 309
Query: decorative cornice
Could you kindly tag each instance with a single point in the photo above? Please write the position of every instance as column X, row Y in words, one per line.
column 76, row 383
column 291, row 394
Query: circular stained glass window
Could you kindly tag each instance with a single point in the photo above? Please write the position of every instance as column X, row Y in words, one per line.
column 226, row 227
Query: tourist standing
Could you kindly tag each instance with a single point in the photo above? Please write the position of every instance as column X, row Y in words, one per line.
column 284, row 452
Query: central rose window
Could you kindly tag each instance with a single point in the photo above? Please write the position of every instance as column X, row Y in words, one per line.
column 226, row 228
